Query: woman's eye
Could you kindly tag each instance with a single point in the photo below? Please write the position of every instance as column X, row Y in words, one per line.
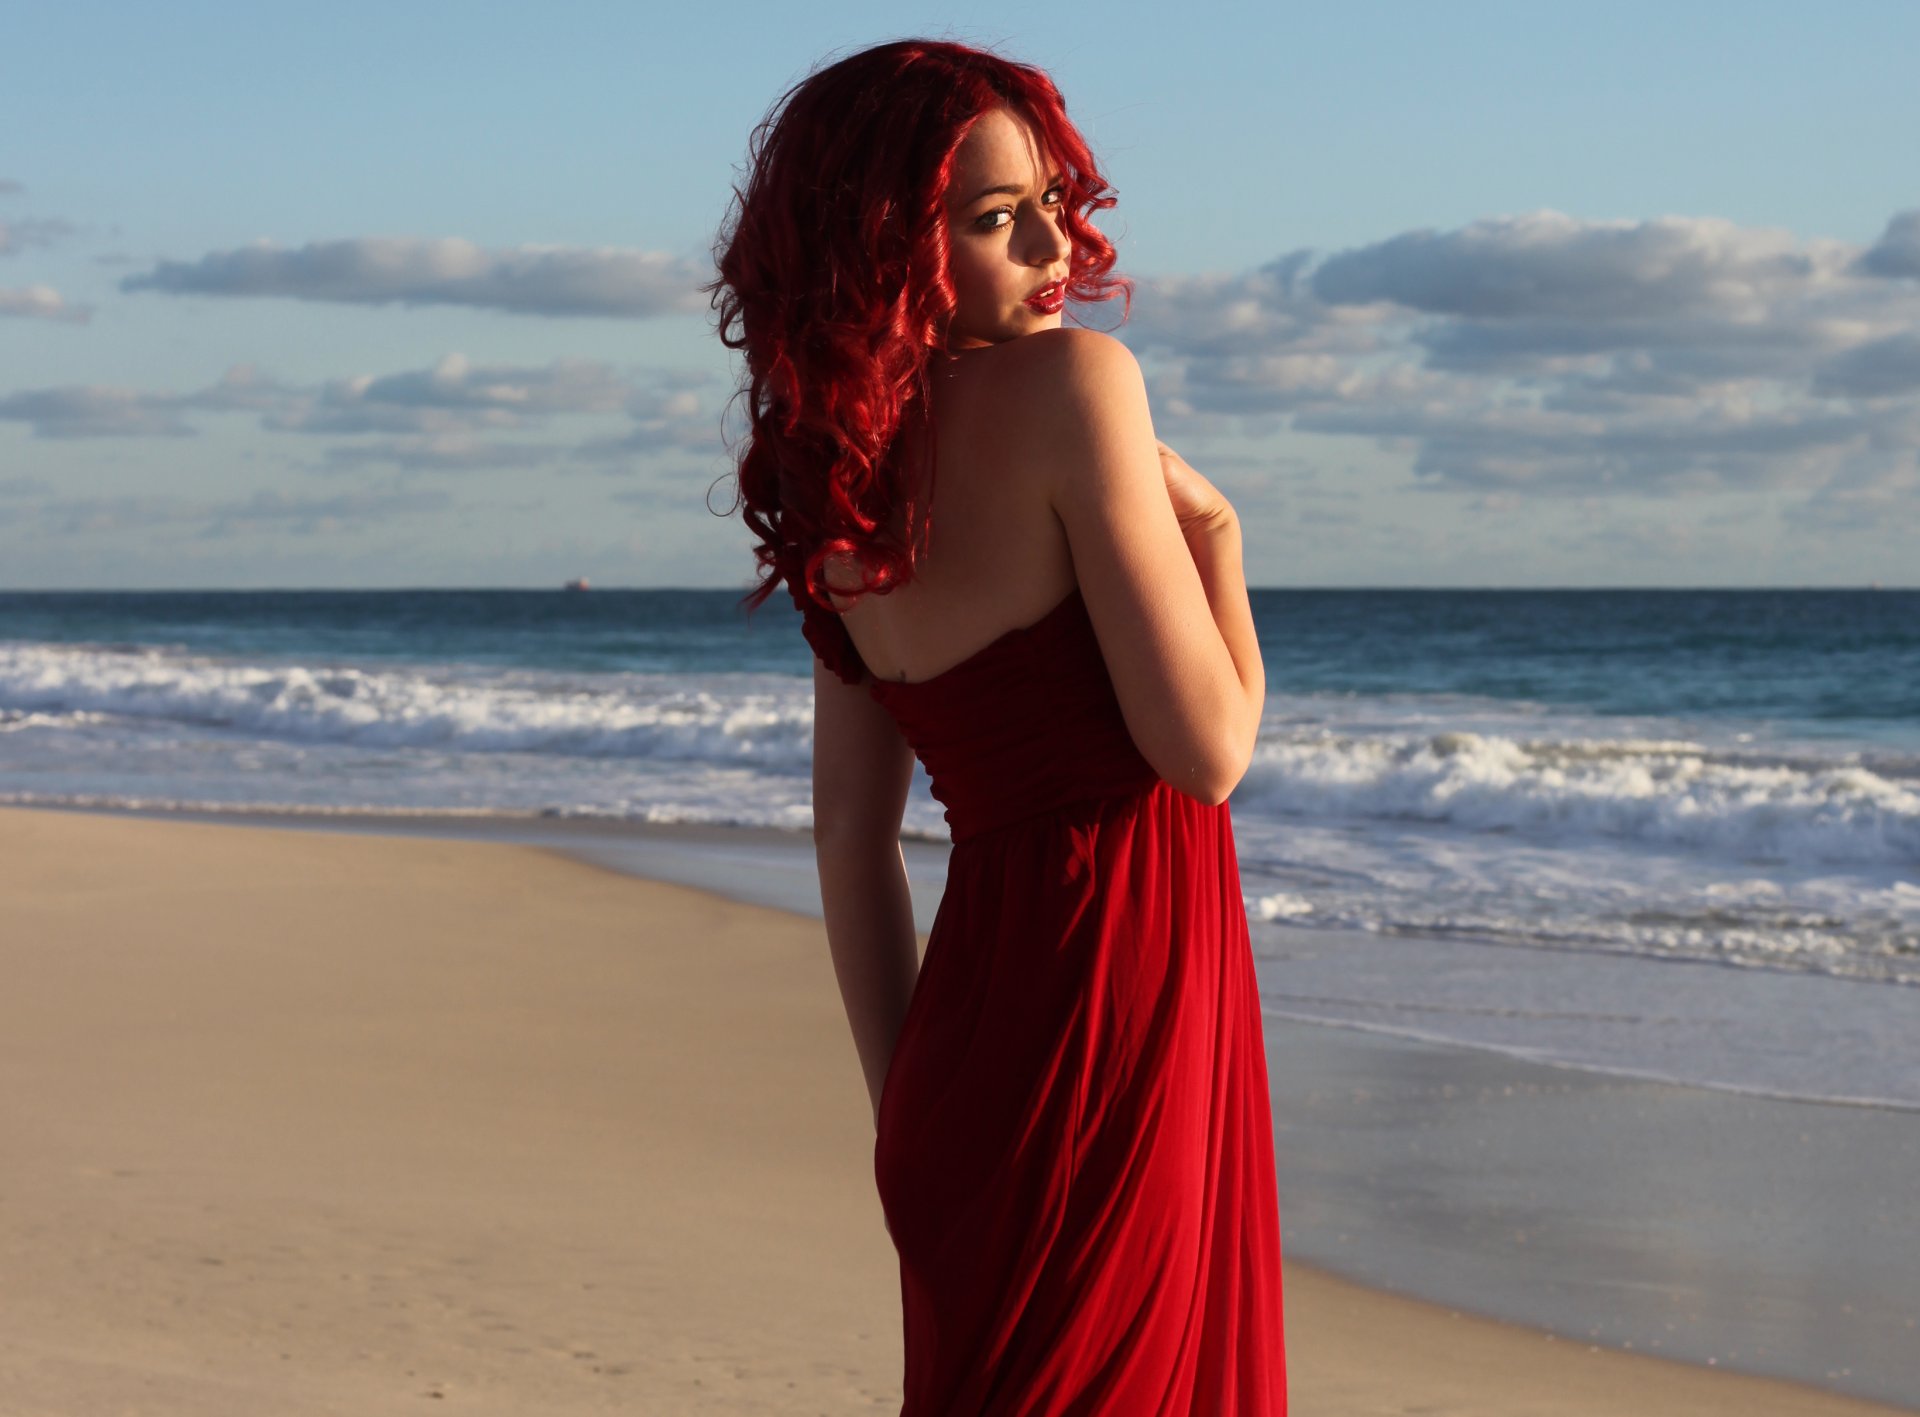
column 990, row 221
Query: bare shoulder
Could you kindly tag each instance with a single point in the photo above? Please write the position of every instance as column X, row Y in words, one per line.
column 1065, row 396
column 1069, row 362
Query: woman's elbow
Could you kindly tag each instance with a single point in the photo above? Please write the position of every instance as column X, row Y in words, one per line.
column 1208, row 791
column 1210, row 775
column 1233, row 755
column 1202, row 752
column 1221, row 785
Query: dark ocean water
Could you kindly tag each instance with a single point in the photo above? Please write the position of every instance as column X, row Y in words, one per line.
column 1843, row 657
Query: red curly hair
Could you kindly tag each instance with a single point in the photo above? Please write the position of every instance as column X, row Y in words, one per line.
column 833, row 281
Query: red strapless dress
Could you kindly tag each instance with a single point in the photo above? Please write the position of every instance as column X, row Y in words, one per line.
column 1075, row 1149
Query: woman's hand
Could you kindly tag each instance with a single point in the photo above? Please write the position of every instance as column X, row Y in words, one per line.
column 1196, row 501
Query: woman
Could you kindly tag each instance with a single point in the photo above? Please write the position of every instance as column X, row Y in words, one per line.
column 1074, row 1147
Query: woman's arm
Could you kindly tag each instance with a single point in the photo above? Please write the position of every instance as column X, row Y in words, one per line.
column 862, row 769
column 1169, row 609
column 1212, row 530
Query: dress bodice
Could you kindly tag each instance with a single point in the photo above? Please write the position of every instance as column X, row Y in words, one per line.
column 1024, row 726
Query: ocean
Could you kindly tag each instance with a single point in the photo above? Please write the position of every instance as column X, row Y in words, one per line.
column 1670, row 834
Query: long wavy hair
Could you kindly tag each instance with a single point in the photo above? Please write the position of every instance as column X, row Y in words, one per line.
column 833, row 282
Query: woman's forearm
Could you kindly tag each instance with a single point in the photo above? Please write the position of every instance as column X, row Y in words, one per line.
column 1216, row 550
column 876, row 959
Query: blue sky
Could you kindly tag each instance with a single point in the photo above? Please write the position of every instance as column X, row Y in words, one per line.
column 1473, row 294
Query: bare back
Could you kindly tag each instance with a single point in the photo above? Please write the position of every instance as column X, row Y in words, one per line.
column 1050, row 480
column 997, row 556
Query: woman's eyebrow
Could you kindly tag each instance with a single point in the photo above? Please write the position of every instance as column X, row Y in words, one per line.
column 1012, row 189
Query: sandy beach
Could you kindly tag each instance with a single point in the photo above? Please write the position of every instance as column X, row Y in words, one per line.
column 304, row 1123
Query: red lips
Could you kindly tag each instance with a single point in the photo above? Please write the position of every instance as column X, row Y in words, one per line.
column 1049, row 299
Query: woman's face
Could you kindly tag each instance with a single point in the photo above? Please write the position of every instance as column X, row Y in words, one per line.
column 1006, row 241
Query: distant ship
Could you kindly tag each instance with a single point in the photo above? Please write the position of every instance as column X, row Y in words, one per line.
column 580, row 583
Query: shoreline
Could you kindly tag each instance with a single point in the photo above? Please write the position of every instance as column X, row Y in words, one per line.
column 773, row 867
column 174, row 923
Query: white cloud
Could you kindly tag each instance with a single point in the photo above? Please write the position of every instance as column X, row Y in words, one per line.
column 666, row 418
column 242, row 389
column 1882, row 368
column 453, row 417
column 41, row 302
column 1544, row 353
column 607, row 281
column 1547, row 265
column 442, row 452
column 454, row 394
column 96, row 411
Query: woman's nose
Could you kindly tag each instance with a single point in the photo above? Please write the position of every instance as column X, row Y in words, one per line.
column 1050, row 244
